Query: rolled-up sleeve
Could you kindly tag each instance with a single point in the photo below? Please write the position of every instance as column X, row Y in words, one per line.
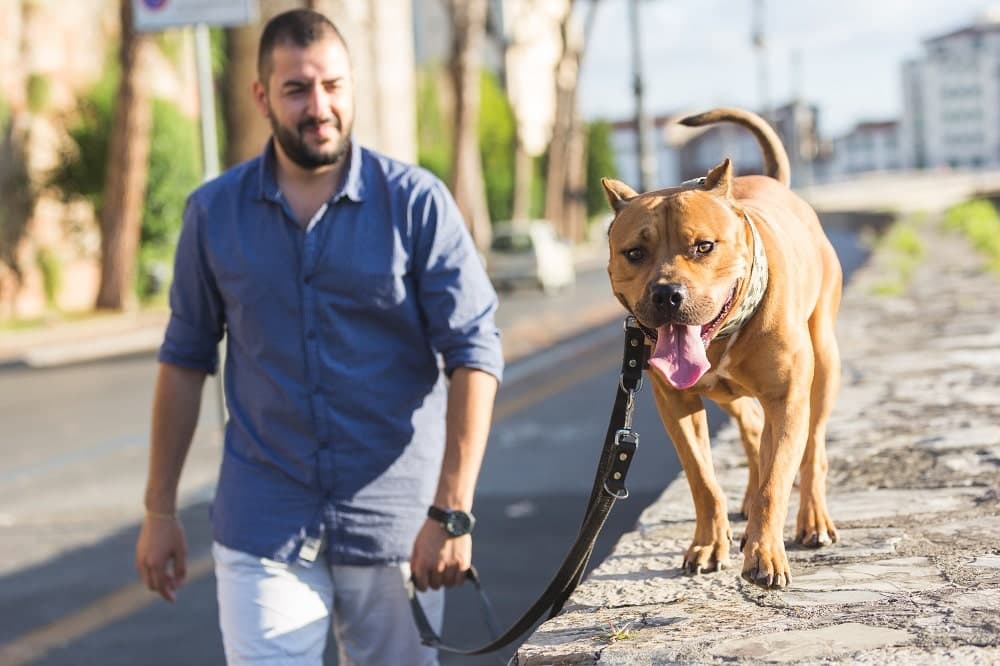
column 456, row 299
column 196, row 312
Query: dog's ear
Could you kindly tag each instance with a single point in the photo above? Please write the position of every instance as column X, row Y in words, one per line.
column 720, row 179
column 618, row 193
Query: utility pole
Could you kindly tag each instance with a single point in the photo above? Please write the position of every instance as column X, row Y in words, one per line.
column 759, row 44
column 643, row 124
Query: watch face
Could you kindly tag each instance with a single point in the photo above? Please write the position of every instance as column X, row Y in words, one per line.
column 458, row 523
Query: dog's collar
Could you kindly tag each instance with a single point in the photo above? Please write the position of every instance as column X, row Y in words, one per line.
column 755, row 289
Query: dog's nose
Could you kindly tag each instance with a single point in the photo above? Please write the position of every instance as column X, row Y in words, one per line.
column 668, row 296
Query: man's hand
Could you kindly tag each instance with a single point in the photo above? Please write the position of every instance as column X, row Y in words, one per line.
column 161, row 555
column 438, row 559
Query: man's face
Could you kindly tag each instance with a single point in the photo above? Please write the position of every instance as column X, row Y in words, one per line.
column 309, row 101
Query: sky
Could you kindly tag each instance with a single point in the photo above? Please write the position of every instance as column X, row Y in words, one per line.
column 696, row 54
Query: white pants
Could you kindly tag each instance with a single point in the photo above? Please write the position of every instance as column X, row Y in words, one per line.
column 276, row 614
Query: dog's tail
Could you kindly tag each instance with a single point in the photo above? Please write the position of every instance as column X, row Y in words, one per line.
column 775, row 157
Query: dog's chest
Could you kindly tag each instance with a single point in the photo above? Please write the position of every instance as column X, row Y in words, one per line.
column 720, row 380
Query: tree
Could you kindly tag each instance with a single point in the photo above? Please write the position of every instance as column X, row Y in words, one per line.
column 246, row 129
column 125, row 178
column 468, row 18
column 566, row 182
column 600, row 164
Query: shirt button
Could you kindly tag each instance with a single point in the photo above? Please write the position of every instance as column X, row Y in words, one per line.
column 311, row 333
column 307, row 279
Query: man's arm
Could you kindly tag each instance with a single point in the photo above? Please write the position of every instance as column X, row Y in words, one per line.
column 161, row 551
column 437, row 558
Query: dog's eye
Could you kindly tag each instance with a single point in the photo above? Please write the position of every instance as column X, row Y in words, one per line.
column 704, row 247
column 635, row 255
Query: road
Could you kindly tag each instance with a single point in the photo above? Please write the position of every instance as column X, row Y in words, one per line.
column 74, row 442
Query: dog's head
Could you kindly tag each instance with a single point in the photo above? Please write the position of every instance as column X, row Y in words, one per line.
column 677, row 256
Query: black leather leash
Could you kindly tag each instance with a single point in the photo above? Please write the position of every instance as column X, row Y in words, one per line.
column 620, row 445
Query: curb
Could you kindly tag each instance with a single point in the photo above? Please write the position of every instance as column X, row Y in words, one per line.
column 137, row 333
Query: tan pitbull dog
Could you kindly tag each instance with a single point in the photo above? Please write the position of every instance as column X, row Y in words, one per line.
column 738, row 285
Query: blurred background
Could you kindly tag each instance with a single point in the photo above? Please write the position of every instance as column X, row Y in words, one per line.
column 112, row 111
column 519, row 105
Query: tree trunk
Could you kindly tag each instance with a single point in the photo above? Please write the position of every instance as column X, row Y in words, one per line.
column 524, row 175
column 469, row 30
column 246, row 129
column 128, row 165
column 566, row 175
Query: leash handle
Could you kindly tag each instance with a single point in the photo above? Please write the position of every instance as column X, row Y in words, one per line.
column 427, row 634
column 620, row 444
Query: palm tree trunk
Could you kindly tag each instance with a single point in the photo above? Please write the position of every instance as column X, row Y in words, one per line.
column 566, row 175
column 128, row 164
column 469, row 31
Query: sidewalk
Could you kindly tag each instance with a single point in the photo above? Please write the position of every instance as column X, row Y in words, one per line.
column 118, row 334
column 914, row 487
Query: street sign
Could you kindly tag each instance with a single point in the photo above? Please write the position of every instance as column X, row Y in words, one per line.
column 154, row 15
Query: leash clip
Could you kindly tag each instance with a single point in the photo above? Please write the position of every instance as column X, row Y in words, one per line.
column 626, row 443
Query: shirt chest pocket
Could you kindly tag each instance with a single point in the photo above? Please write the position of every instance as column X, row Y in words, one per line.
column 355, row 289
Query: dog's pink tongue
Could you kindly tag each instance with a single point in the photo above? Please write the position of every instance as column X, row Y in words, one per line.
column 680, row 355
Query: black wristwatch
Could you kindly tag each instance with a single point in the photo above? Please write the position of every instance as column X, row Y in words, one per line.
column 456, row 523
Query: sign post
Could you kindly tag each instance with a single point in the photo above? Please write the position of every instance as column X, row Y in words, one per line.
column 157, row 15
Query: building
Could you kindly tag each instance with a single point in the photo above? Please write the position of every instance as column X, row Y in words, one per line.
column 625, row 146
column 951, row 110
column 870, row 146
column 683, row 152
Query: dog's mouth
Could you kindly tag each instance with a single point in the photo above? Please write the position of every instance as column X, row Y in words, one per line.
column 680, row 355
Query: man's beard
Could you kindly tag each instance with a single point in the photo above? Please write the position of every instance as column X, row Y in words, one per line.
column 294, row 145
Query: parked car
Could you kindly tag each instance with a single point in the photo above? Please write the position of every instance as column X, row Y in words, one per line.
column 529, row 253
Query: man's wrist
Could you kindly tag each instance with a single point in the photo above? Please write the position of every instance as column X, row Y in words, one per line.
column 455, row 522
column 161, row 515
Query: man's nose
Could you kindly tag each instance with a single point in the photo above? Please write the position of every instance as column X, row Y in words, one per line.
column 668, row 297
column 319, row 101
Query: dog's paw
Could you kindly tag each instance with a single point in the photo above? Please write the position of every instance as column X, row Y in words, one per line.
column 710, row 554
column 765, row 563
column 814, row 527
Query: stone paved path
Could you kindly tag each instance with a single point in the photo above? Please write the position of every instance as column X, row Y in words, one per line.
column 914, row 487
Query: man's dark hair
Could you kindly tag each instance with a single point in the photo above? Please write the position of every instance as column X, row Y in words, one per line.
column 298, row 27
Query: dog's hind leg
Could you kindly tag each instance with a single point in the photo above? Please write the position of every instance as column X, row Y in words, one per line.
column 813, row 526
column 749, row 419
column 685, row 420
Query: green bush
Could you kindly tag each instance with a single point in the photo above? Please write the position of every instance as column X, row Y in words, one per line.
column 39, row 93
column 434, row 133
column 497, row 137
column 600, row 164
column 980, row 222
column 903, row 248
column 435, row 139
column 51, row 269
column 174, row 170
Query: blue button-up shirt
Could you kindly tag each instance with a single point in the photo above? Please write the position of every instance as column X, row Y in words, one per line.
column 336, row 338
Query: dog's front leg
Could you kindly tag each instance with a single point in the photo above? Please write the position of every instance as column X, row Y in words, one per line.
column 684, row 418
column 786, row 421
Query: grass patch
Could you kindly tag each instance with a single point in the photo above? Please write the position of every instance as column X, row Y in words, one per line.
column 979, row 221
column 618, row 633
column 903, row 248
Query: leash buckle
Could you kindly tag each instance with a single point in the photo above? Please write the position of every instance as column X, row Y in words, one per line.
column 626, row 443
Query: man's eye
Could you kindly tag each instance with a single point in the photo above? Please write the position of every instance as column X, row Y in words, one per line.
column 704, row 247
column 635, row 255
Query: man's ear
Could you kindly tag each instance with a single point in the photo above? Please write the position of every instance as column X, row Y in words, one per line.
column 260, row 98
column 720, row 179
column 618, row 193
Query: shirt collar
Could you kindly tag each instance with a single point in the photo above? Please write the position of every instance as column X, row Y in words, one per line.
column 353, row 186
